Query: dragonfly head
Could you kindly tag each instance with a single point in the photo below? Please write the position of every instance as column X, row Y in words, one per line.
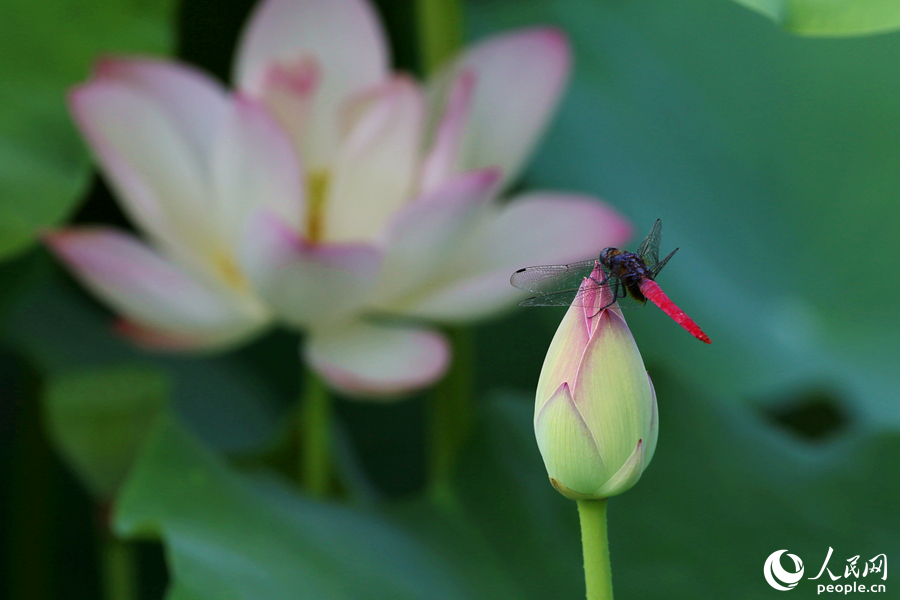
column 607, row 254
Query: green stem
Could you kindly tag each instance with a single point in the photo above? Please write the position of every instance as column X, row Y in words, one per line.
column 451, row 416
column 315, row 437
column 119, row 569
column 597, row 574
column 440, row 31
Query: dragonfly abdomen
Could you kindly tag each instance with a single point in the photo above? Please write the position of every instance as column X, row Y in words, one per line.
column 654, row 293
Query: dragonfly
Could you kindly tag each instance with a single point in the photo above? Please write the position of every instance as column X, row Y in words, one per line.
column 628, row 276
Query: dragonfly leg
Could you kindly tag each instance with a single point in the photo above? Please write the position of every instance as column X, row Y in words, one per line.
column 600, row 283
column 605, row 278
column 618, row 291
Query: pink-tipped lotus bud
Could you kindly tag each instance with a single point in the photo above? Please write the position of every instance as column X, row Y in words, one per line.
column 595, row 415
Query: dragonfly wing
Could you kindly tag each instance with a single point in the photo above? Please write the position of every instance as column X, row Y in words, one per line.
column 572, row 297
column 561, row 298
column 649, row 248
column 548, row 279
column 655, row 269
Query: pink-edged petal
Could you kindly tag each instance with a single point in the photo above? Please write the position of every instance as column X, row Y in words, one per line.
column 564, row 354
column 156, row 339
column 254, row 168
column 378, row 360
column 593, row 299
column 520, row 78
column 152, row 292
column 374, row 172
column 440, row 164
column 533, row 229
column 423, row 232
column 153, row 157
column 554, row 227
column 288, row 91
column 194, row 101
column 306, row 285
column 345, row 39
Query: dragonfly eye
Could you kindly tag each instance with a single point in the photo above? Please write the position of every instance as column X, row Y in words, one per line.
column 608, row 253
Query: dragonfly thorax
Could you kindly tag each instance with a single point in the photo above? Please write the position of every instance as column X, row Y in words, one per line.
column 626, row 266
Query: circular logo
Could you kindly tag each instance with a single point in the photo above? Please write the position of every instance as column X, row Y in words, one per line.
column 776, row 575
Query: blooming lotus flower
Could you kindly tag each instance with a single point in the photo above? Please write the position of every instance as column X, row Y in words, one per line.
column 326, row 192
column 595, row 417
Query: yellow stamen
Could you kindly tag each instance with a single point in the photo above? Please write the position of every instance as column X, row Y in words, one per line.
column 315, row 214
column 229, row 271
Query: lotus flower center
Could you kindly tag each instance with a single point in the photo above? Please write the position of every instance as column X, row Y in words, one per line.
column 317, row 192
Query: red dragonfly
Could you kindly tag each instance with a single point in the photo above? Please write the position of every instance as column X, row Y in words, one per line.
column 624, row 273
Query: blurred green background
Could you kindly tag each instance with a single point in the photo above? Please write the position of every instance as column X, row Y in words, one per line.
column 774, row 162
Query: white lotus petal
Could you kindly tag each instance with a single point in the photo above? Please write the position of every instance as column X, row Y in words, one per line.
column 345, row 39
column 150, row 124
column 425, row 231
column 255, row 169
column 372, row 360
column 153, row 293
column 520, row 77
column 374, row 173
column 306, row 285
column 533, row 229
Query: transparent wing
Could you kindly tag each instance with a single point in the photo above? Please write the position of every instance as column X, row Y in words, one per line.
column 576, row 296
column 655, row 269
column 550, row 279
column 649, row 248
column 561, row 285
column 561, row 298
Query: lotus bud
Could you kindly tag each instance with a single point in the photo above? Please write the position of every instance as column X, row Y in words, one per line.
column 595, row 415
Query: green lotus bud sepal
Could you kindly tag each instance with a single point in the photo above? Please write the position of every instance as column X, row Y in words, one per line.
column 595, row 415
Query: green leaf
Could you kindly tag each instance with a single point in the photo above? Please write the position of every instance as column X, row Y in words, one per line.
column 98, row 420
column 49, row 46
column 230, row 536
column 830, row 17
column 18, row 274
